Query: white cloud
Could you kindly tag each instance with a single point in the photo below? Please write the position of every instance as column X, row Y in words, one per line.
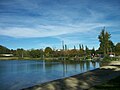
column 47, row 30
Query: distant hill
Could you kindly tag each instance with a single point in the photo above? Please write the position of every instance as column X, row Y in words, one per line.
column 4, row 50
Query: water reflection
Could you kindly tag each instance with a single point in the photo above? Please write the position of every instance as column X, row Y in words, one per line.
column 79, row 67
column 20, row 74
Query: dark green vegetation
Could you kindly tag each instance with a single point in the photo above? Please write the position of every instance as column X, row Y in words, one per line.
column 113, row 84
column 4, row 50
column 107, row 47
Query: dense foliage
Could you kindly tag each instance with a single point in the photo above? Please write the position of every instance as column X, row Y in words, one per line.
column 4, row 50
column 117, row 49
column 104, row 42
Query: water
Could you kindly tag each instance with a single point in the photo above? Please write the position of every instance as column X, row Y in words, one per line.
column 19, row 74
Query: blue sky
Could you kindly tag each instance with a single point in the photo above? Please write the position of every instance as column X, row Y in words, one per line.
column 39, row 23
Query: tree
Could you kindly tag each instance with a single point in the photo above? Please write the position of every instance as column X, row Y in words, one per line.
column 48, row 51
column 93, row 51
column 36, row 53
column 73, row 53
column 112, row 46
column 19, row 52
column 86, row 50
column 104, row 42
column 66, row 51
column 81, row 50
column 80, row 47
column 57, row 53
column 74, row 47
column 65, row 47
column 117, row 49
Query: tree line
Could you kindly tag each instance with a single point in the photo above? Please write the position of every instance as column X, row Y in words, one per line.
column 106, row 47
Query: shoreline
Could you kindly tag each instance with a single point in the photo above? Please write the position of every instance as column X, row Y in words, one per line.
column 47, row 59
column 82, row 81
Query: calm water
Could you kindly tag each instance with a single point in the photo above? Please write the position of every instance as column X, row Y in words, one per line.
column 16, row 74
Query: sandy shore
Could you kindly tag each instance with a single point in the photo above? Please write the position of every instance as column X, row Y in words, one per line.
column 82, row 81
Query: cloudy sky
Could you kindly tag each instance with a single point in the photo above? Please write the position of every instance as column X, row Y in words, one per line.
column 39, row 23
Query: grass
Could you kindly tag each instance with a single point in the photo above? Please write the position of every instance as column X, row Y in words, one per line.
column 113, row 84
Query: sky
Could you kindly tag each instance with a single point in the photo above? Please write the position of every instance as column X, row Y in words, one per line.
column 41, row 23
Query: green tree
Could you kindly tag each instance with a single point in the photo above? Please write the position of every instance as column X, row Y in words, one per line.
column 48, row 51
column 38, row 53
column 117, row 49
column 93, row 51
column 19, row 52
column 80, row 47
column 81, row 50
column 86, row 50
column 104, row 42
column 112, row 46
column 65, row 47
column 74, row 47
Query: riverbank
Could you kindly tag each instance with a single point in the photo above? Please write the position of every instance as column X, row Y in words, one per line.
column 51, row 58
column 65, row 59
column 17, row 58
column 113, row 84
column 82, row 81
